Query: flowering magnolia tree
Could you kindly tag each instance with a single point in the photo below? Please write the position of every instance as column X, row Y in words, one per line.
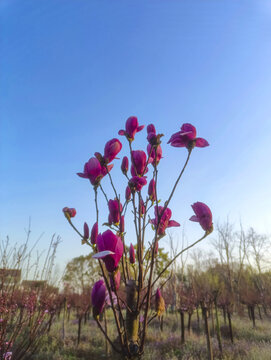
column 129, row 280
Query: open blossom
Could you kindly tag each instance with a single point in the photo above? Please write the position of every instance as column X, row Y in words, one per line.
column 165, row 221
column 98, row 294
column 111, row 150
column 125, row 165
column 151, row 190
column 110, row 249
column 187, row 138
column 94, row 171
column 139, row 163
column 154, row 158
column 131, row 128
column 203, row 216
column 94, row 234
column 136, row 183
column 132, row 254
column 114, row 211
column 69, row 212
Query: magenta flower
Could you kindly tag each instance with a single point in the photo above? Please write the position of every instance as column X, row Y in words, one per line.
column 86, row 231
column 114, row 211
column 131, row 128
column 151, row 190
column 110, row 249
column 203, row 216
column 94, row 171
column 132, row 254
column 98, row 294
column 151, row 152
column 139, row 162
column 153, row 138
column 111, row 150
column 187, row 138
column 128, row 193
column 165, row 221
column 94, row 234
column 125, row 165
column 116, row 277
column 136, row 183
column 69, row 212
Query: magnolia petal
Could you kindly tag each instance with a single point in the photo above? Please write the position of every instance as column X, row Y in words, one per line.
column 121, row 132
column 194, row 218
column 173, row 223
column 102, row 254
column 200, row 142
column 82, row 175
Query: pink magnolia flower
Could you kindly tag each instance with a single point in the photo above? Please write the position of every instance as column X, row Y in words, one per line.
column 165, row 221
column 139, row 162
column 110, row 249
column 187, row 138
column 125, row 165
column 132, row 254
column 151, row 190
column 136, row 183
column 153, row 138
column 131, row 128
column 94, row 171
column 203, row 216
column 98, row 297
column 111, row 150
column 69, row 212
column 114, row 211
column 151, row 152
column 116, row 277
column 86, row 231
column 94, row 234
column 128, row 193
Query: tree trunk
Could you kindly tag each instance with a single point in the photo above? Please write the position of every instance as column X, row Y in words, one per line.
column 230, row 326
column 189, row 322
column 207, row 333
column 218, row 333
column 79, row 330
column 182, row 327
column 132, row 317
column 252, row 310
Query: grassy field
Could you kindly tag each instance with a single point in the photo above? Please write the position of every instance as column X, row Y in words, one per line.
column 249, row 343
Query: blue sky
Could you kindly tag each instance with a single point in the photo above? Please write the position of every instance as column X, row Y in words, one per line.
column 73, row 71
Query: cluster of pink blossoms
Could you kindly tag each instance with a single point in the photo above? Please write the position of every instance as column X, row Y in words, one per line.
column 109, row 246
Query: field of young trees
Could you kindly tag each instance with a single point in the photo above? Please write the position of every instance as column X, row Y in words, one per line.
column 217, row 304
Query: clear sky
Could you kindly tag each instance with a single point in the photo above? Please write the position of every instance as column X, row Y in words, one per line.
column 73, row 71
